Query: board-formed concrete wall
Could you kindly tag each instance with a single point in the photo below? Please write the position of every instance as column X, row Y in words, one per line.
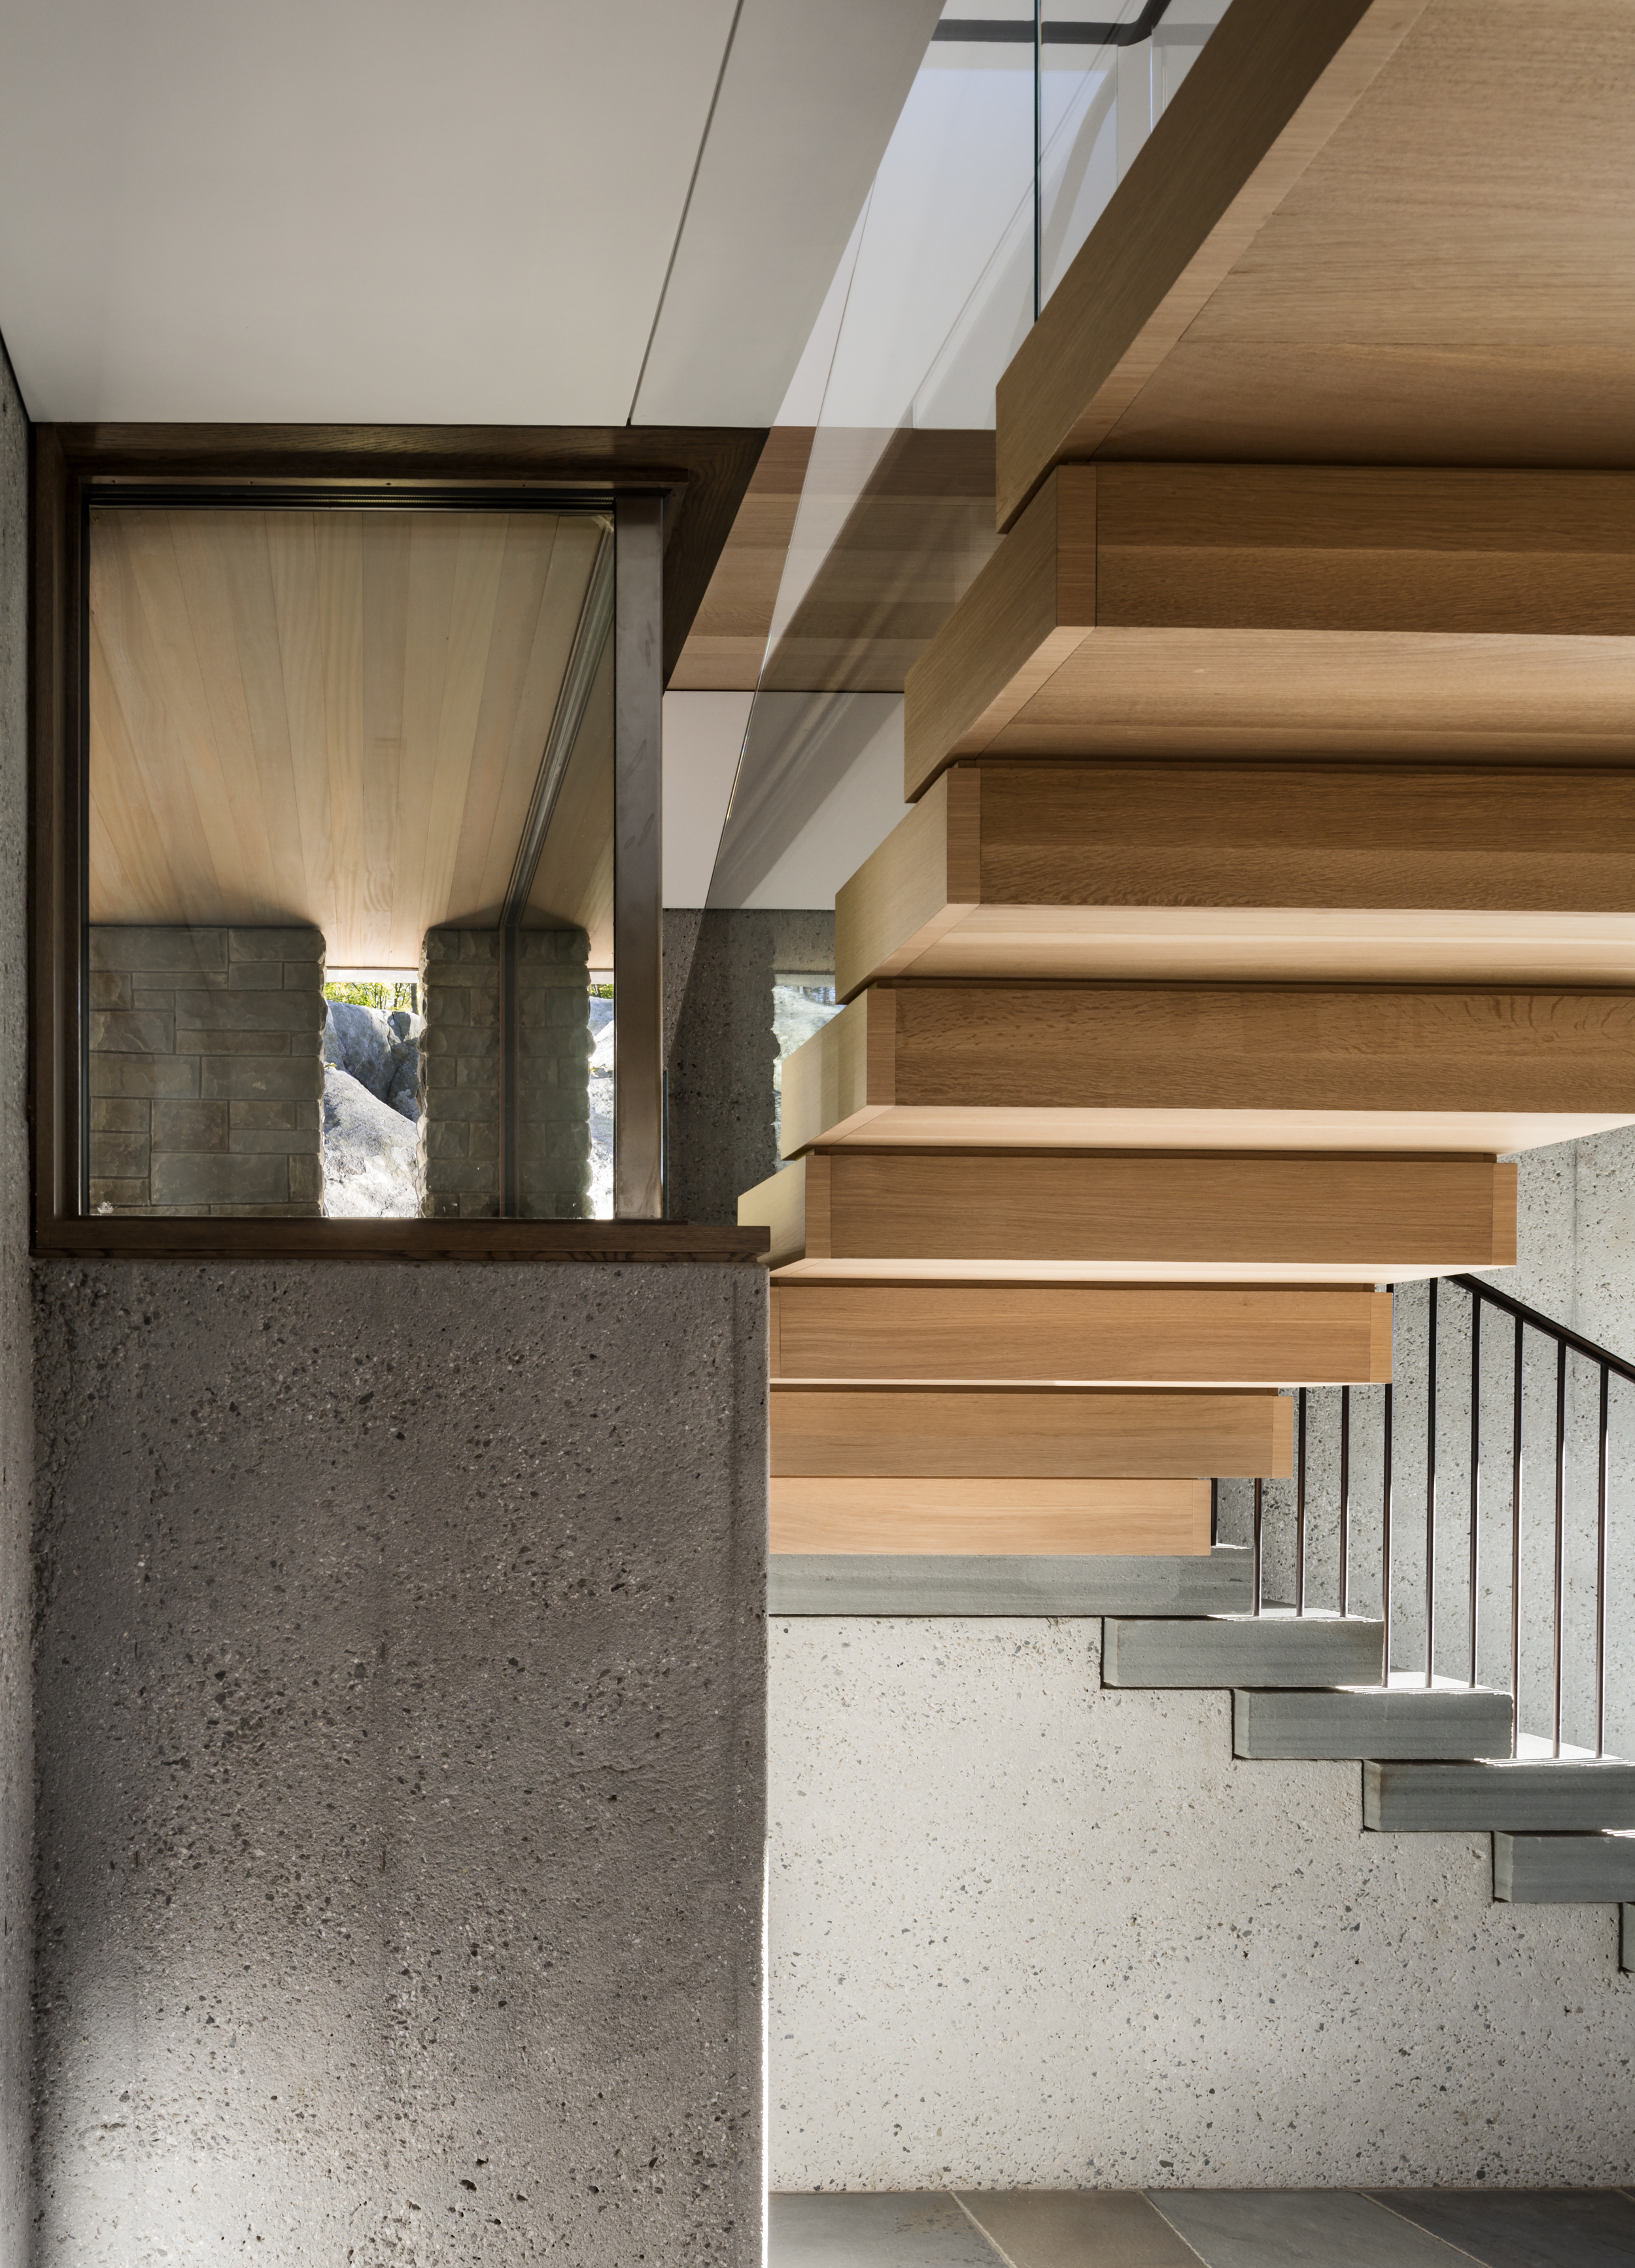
column 400, row 1765
column 1026, row 1931
column 15, row 1342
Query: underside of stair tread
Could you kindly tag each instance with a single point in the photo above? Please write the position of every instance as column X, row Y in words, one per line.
column 1371, row 1721
column 1504, row 1793
column 1576, row 1869
column 1261, row 1650
column 1626, row 1938
column 882, row 1584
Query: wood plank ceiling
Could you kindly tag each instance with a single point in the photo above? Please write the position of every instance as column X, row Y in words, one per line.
column 337, row 717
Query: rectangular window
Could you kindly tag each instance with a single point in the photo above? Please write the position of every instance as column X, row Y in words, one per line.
column 353, row 897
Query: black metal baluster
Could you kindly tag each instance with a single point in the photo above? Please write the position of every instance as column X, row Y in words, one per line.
column 1601, row 1573
column 1345, row 1496
column 1516, row 1553
column 1259, row 1487
column 1561, row 1514
column 1476, row 1471
column 1430, row 1489
column 1299, row 1515
column 1215, row 1513
column 1385, row 1539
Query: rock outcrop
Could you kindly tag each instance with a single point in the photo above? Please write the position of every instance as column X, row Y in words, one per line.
column 369, row 1153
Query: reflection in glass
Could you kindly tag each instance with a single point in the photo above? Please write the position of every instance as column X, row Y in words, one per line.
column 350, row 882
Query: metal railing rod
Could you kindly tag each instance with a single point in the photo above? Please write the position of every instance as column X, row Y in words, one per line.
column 1259, row 1492
column 1299, row 1515
column 1600, row 1572
column 1515, row 1547
column 1561, row 1508
column 1475, row 1474
column 1430, row 1488
column 1345, row 1496
column 1540, row 1322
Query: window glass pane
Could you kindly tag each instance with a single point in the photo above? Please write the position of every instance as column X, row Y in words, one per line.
column 350, row 887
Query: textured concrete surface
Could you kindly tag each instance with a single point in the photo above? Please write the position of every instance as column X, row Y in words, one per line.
column 1409, row 1799
column 1353, row 1725
column 719, row 988
column 1029, row 1932
column 16, row 1341
column 1247, row 1650
column 401, row 1685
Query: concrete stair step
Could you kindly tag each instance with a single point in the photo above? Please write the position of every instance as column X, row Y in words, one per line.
column 1372, row 1722
column 1501, row 1793
column 1255, row 1650
column 1562, row 1870
column 879, row 1583
column 1626, row 1937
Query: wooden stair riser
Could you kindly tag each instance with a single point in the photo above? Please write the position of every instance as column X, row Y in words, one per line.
column 1342, row 608
column 1193, row 1066
column 1405, row 873
column 882, row 1433
column 991, row 1517
column 1104, row 1214
column 1032, row 1333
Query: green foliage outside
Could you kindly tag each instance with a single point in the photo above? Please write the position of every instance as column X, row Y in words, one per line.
column 362, row 995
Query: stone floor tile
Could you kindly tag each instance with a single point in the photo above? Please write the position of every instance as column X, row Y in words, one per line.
column 853, row 2228
column 1299, row 2228
column 1077, row 2228
column 1526, row 2228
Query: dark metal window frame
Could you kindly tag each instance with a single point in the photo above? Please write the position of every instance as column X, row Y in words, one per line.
column 673, row 493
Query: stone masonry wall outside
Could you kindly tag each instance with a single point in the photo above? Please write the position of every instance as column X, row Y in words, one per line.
column 461, row 1074
column 206, row 1075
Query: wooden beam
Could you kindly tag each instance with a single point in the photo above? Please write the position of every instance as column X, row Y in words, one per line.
column 1214, row 1067
column 727, row 643
column 1364, row 608
column 1042, row 1216
column 1182, row 1334
column 1275, row 83
column 1052, row 1432
column 1350, row 871
column 1030, row 1517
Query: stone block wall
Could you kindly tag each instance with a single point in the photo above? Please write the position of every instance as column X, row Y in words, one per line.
column 206, row 1077
column 461, row 1074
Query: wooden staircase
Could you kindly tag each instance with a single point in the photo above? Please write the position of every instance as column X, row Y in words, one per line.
column 1271, row 867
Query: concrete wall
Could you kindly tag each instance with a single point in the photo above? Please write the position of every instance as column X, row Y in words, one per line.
column 1027, row 1932
column 719, row 967
column 206, row 1090
column 16, row 1340
column 460, row 1080
column 400, row 1707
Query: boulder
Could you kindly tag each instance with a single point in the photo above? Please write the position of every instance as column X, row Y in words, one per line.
column 358, row 1041
column 369, row 1153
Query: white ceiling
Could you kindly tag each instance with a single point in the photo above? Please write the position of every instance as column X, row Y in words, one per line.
column 399, row 211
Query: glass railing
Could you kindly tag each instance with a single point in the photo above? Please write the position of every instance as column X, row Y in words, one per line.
column 1017, row 130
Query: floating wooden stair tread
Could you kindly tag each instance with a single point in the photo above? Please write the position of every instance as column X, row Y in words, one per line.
column 1250, row 610
column 1196, row 1066
column 869, row 1432
column 1401, row 873
column 1394, row 1721
column 1291, row 271
column 1264, row 1650
column 1007, row 1517
column 868, row 1583
column 1106, row 1215
column 1080, row 1334
column 1564, row 1869
column 1515, row 1795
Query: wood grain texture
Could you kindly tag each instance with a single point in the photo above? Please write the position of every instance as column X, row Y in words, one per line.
column 1099, row 1214
column 727, row 643
column 335, row 717
column 1050, row 1432
column 1132, row 1055
column 1432, row 288
column 1179, row 1335
column 1276, row 81
column 1322, row 608
column 1028, row 1517
column 1410, row 873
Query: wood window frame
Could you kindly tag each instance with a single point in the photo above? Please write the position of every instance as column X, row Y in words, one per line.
column 701, row 473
